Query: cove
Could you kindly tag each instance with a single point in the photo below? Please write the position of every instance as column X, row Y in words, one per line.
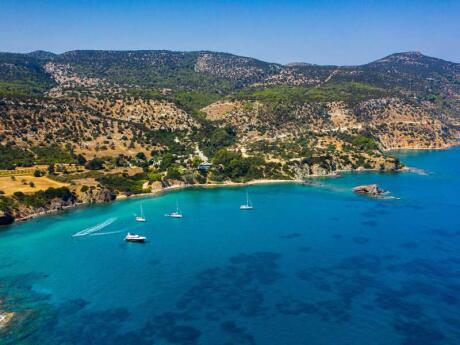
column 310, row 264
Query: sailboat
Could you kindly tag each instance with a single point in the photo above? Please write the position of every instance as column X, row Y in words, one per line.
column 248, row 205
column 176, row 214
column 141, row 218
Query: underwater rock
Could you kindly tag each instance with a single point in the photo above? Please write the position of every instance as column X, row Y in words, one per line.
column 5, row 318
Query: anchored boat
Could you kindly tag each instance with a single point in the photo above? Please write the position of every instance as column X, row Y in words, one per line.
column 177, row 213
column 141, row 217
column 135, row 238
column 247, row 205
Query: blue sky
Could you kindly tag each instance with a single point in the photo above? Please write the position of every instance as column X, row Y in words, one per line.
column 323, row 32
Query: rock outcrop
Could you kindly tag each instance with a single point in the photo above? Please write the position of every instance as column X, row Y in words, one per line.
column 6, row 218
column 104, row 195
column 370, row 190
column 98, row 196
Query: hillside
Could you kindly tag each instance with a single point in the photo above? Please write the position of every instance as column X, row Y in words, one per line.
column 130, row 120
column 23, row 75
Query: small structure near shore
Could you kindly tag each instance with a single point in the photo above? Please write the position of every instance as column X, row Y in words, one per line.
column 369, row 190
column 205, row 166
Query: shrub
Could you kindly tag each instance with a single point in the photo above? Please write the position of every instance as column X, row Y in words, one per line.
column 38, row 173
column 173, row 173
column 95, row 164
column 364, row 143
column 80, row 159
column 122, row 183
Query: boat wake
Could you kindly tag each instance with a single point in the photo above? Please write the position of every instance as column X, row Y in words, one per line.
column 388, row 197
column 105, row 233
column 95, row 228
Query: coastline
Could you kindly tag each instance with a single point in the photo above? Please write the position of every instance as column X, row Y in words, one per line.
column 171, row 188
column 159, row 192
column 424, row 148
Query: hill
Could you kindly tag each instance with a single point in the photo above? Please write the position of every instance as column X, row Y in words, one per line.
column 126, row 120
column 23, row 75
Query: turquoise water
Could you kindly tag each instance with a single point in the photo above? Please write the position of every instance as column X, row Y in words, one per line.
column 309, row 265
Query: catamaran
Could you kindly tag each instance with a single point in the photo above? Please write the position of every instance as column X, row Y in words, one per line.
column 134, row 238
column 175, row 214
column 141, row 218
column 248, row 205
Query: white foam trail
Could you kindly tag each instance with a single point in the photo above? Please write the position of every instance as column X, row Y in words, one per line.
column 418, row 171
column 98, row 227
column 388, row 197
column 105, row 233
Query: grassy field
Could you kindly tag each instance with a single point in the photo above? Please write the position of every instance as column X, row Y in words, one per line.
column 30, row 171
column 23, row 184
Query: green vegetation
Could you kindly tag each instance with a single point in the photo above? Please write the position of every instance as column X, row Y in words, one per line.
column 145, row 93
column 12, row 156
column 22, row 75
column 346, row 91
column 364, row 143
column 42, row 198
column 231, row 165
column 193, row 101
column 95, row 164
column 123, row 182
column 51, row 154
column 153, row 70
column 174, row 172
column 212, row 139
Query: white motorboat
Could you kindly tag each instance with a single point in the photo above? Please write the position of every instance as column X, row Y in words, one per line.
column 134, row 238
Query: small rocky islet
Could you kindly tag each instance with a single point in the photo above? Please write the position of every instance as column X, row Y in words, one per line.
column 372, row 190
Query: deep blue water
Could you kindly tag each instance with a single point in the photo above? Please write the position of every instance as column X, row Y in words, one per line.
column 310, row 265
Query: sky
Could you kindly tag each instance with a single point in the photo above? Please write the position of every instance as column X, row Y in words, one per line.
column 322, row 32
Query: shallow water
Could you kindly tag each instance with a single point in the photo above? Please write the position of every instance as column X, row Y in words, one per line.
column 309, row 265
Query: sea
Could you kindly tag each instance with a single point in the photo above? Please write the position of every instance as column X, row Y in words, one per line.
column 310, row 264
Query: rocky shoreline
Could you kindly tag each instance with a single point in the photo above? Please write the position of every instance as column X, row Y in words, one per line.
column 8, row 219
column 105, row 195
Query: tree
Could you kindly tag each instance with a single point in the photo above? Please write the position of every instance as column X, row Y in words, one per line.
column 51, row 168
column 166, row 161
column 173, row 173
column 95, row 164
column 196, row 161
column 141, row 156
column 81, row 160
column 38, row 173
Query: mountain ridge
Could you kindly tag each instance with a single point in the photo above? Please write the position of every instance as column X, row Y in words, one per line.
column 52, row 54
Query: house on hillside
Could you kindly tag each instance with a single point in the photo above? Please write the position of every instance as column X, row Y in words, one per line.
column 204, row 166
